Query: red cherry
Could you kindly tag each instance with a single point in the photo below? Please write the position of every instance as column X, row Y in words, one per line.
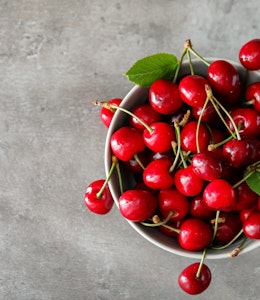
column 157, row 174
column 195, row 234
column 224, row 79
column 137, row 205
column 192, row 90
column 188, row 137
column 160, row 138
column 245, row 197
column 106, row 115
column 190, row 283
column 187, row 182
column 249, row 55
column 253, row 94
column 126, row 142
column 164, row 96
column 96, row 202
column 206, row 165
column 246, row 212
column 146, row 113
column 248, row 119
column 251, row 226
column 228, row 229
column 171, row 200
column 219, row 195
column 198, row 208
column 209, row 114
column 236, row 152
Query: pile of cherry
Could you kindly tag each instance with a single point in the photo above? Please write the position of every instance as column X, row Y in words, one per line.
column 191, row 148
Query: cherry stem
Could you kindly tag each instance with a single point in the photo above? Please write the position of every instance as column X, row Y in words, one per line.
column 160, row 223
column 190, row 63
column 114, row 163
column 229, row 243
column 252, row 169
column 178, row 152
column 119, row 178
column 237, row 250
column 215, row 102
column 114, row 106
column 184, row 52
column 139, row 161
column 195, row 53
column 215, row 226
column 199, row 122
column 201, row 263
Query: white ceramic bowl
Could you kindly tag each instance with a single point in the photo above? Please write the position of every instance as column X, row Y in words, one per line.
column 138, row 95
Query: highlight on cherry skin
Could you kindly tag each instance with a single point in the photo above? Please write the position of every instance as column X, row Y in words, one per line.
column 193, row 151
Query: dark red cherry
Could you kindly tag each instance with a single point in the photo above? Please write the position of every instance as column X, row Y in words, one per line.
column 206, row 165
column 251, row 226
column 126, row 142
column 146, row 113
column 245, row 197
column 106, row 114
column 171, row 200
column 195, row 234
column 236, row 152
column 247, row 119
column 253, row 95
column 160, row 138
column 96, row 202
column 190, row 283
column 188, row 137
column 224, row 79
column 198, row 208
column 219, row 195
column 157, row 174
column 208, row 115
column 228, row 229
column 249, row 55
column 192, row 90
column 137, row 205
column 164, row 96
column 187, row 182
column 246, row 212
column 167, row 229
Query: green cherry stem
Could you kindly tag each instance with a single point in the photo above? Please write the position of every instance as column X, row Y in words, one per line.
column 174, row 145
column 195, row 53
column 201, row 263
column 136, row 157
column 114, row 164
column 114, row 106
column 229, row 243
column 184, row 52
column 119, row 178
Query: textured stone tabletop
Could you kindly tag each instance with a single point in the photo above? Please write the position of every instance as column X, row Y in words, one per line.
column 55, row 57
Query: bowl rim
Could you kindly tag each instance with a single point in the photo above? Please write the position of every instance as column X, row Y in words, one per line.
column 138, row 91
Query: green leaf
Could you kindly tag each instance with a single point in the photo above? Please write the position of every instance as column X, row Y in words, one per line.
column 254, row 182
column 150, row 68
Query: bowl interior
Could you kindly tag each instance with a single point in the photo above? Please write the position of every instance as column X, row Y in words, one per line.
column 138, row 95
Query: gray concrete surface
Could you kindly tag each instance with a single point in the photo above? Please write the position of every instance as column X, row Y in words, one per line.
column 55, row 57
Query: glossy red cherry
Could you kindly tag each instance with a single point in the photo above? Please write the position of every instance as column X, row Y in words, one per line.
column 253, row 95
column 126, row 142
column 248, row 119
column 192, row 90
column 146, row 113
column 219, row 195
column 224, row 79
column 246, row 212
column 137, row 205
column 96, row 202
column 251, row 226
column 187, row 182
column 195, row 234
column 106, row 115
column 171, row 200
column 164, row 96
column 249, row 55
column 188, row 137
column 245, row 197
column 190, row 283
column 236, row 152
column 198, row 208
column 157, row 174
column 206, row 165
column 160, row 138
